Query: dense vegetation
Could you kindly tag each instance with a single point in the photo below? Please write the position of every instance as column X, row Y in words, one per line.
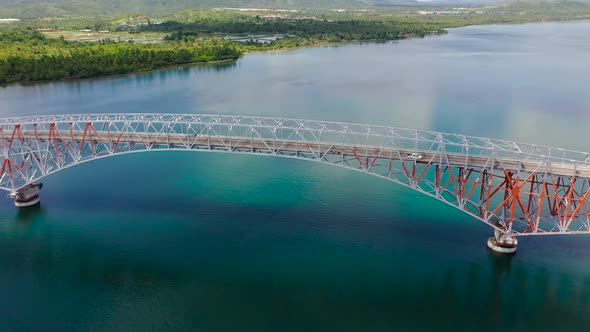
column 27, row 56
column 387, row 20
column 194, row 35
column 320, row 29
column 387, row 24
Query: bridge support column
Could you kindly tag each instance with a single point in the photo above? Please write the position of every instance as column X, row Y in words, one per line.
column 27, row 195
column 502, row 243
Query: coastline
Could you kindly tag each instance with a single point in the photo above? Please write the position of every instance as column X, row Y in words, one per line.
column 201, row 63
column 170, row 66
column 444, row 31
column 344, row 42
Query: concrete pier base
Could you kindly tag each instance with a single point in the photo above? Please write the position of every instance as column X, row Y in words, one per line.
column 502, row 243
column 27, row 195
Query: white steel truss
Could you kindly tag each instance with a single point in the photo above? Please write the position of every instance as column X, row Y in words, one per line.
column 519, row 189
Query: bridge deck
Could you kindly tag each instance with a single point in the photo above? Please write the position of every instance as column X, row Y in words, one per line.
column 292, row 146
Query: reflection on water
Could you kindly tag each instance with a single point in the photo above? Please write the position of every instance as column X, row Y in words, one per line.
column 169, row 73
column 501, row 262
column 346, row 288
column 28, row 215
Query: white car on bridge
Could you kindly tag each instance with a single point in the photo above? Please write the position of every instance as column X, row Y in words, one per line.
column 415, row 156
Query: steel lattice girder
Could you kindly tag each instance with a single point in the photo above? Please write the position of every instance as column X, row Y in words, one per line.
column 521, row 189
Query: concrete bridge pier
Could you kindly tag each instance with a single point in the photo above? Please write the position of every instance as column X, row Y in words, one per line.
column 27, row 195
column 502, row 243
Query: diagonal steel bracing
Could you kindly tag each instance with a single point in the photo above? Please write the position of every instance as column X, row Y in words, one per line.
column 519, row 189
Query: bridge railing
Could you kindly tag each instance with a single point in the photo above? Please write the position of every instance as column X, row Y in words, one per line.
column 307, row 131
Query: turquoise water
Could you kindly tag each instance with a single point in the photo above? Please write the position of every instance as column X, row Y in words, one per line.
column 215, row 242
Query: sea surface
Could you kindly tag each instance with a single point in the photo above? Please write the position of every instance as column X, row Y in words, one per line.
column 174, row 241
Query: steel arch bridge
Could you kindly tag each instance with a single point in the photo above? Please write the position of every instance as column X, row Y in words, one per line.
column 518, row 189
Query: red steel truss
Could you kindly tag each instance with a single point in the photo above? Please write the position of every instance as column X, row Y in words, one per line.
column 519, row 189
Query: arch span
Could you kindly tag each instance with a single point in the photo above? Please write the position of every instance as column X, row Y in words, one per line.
column 519, row 189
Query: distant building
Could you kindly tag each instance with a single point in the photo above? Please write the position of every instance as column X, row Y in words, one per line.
column 9, row 20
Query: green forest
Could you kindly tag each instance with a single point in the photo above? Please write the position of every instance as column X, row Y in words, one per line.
column 319, row 29
column 28, row 56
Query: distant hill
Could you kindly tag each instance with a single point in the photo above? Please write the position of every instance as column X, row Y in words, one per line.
column 60, row 8
column 45, row 8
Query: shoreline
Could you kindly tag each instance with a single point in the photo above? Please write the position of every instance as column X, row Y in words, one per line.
column 444, row 31
column 73, row 79
column 345, row 42
column 281, row 49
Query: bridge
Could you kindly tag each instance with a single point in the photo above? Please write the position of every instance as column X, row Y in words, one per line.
column 517, row 189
